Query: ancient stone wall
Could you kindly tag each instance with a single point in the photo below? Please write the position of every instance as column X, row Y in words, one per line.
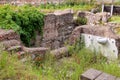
column 94, row 19
column 57, row 29
column 94, row 34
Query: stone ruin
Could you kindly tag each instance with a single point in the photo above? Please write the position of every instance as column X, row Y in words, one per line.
column 59, row 29
column 11, row 42
column 94, row 19
column 98, row 38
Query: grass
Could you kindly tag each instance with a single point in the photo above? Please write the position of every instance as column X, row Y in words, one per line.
column 12, row 68
column 67, row 68
column 115, row 19
column 51, row 8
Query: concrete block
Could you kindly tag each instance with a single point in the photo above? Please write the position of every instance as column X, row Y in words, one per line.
column 90, row 74
column 105, row 76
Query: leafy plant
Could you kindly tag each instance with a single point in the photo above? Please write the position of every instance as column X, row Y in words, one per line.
column 25, row 20
column 81, row 21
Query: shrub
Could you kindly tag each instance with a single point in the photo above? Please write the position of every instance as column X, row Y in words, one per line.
column 25, row 20
column 81, row 21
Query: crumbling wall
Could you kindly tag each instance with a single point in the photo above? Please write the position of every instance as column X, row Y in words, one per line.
column 94, row 19
column 94, row 34
column 10, row 41
column 57, row 28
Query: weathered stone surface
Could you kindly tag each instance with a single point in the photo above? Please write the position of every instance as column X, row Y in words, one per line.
column 90, row 74
column 37, row 54
column 58, row 53
column 105, row 76
column 103, row 31
column 15, row 49
column 93, row 19
column 104, row 16
column 57, row 29
column 64, row 17
column 40, row 50
column 8, row 35
column 95, row 10
column 50, row 29
column 75, row 35
column 38, row 39
column 9, row 43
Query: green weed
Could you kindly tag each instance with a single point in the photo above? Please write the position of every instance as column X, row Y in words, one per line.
column 115, row 19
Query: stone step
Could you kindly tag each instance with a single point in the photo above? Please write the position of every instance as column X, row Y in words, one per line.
column 36, row 53
column 105, row 76
column 60, row 52
column 38, row 50
column 93, row 74
column 15, row 49
column 8, row 35
column 9, row 43
column 90, row 74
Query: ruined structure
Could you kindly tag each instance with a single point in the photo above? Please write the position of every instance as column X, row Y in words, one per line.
column 59, row 29
column 94, row 19
column 11, row 42
column 99, row 38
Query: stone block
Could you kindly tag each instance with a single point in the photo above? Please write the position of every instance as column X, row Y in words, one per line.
column 15, row 49
column 8, row 35
column 56, row 44
column 50, row 30
column 105, row 76
column 90, row 74
column 38, row 50
column 9, row 43
column 58, row 53
column 63, row 17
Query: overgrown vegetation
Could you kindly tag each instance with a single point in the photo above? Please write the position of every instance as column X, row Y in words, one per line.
column 117, row 30
column 12, row 68
column 25, row 20
column 67, row 68
column 82, row 6
column 115, row 19
column 81, row 21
